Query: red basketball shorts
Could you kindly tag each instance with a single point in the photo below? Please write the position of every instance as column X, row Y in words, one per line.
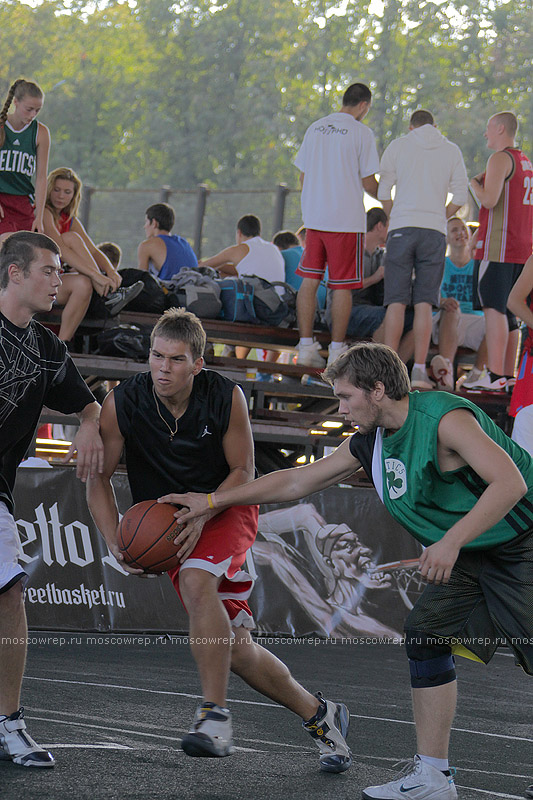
column 342, row 253
column 221, row 550
column 18, row 213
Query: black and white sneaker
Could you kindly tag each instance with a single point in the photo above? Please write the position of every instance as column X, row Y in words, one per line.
column 211, row 733
column 329, row 728
column 115, row 301
column 529, row 791
column 17, row 744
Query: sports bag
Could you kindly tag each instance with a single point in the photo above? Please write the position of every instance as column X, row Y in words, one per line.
column 270, row 307
column 194, row 290
column 126, row 341
column 237, row 296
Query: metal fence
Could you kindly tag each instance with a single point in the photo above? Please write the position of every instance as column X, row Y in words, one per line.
column 207, row 218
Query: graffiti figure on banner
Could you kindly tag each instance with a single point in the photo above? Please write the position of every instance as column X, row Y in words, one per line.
column 346, row 565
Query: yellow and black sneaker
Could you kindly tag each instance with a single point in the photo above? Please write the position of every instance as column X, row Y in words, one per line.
column 329, row 728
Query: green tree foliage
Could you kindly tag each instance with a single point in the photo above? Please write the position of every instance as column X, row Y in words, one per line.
column 220, row 92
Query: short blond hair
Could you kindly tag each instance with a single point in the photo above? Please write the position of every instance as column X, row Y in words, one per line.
column 180, row 325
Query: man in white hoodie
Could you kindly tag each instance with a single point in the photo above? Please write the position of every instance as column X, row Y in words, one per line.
column 425, row 167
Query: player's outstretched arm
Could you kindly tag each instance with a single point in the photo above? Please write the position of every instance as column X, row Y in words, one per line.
column 100, row 494
column 461, row 441
column 87, row 443
column 280, row 486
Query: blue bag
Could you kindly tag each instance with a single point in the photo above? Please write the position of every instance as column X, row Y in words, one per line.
column 237, row 298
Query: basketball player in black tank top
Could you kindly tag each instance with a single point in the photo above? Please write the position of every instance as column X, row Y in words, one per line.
column 186, row 428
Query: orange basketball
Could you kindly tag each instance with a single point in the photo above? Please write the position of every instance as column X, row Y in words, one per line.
column 146, row 536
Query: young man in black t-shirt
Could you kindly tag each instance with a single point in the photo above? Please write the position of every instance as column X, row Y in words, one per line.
column 183, row 426
column 35, row 369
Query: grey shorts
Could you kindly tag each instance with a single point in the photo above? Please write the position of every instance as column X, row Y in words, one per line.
column 414, row 266
column 488, row 601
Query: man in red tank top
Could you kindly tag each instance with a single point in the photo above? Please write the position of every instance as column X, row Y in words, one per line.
column 504, row 242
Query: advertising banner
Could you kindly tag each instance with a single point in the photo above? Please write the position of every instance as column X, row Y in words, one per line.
column 334, row 565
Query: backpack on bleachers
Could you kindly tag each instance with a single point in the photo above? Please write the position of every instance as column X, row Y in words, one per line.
column 237, row 296
column 194, row 290
column 269, row 300
column 125, row 341
column 152, row 299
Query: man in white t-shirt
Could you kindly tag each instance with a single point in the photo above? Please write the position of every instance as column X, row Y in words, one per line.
column 424, row 167
column 337, row 161
column 252, row 255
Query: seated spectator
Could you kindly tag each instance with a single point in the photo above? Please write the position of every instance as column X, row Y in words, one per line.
column 292, row 252
column 456, row 324
column 252, row 255
column 112, row 251
column 162, row 253
column 86, row 267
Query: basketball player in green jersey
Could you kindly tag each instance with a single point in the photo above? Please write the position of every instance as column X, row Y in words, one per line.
column 24, row 148
column 460, row 486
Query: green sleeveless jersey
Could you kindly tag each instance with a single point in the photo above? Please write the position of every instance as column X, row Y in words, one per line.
column 18, row 160
column 426, row 501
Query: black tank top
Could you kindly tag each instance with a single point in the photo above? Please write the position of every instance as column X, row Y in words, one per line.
column 194, row 460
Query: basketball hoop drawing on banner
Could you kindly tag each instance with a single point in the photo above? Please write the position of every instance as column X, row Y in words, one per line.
column 407, row 578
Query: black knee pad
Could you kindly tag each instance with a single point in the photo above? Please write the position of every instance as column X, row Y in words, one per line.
column 430, row 660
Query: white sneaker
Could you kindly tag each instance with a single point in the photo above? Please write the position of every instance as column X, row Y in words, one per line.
column 418, row 781
column 211, row 733
column 469, row 380
column 442, row 369
column 309, row 355
column 17, row 744
column 334, row 354
column 485, row 381
column 329, row 728
column 420, row 379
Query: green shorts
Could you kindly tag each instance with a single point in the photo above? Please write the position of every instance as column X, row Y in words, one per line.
column 487, row 602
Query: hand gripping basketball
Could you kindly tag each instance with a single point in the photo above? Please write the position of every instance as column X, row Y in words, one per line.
column 146, row 534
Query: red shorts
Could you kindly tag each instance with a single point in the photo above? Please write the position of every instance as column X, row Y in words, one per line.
column 342, row 253
column 221, row 550
column 18, row 213
column 523, row 388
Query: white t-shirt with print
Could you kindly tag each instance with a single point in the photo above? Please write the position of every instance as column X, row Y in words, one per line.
column 336, row 153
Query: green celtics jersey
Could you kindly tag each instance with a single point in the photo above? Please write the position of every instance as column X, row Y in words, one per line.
column 18, row 160
column 426, row 501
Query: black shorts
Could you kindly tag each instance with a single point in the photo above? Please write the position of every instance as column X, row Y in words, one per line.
column 488, row 600
column 491, row 286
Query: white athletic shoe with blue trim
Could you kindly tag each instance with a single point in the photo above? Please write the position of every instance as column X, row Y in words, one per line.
column 16, row 743
column 418, row 781
column 329, row 728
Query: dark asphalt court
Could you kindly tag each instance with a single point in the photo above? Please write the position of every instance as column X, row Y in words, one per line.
column 113, row 711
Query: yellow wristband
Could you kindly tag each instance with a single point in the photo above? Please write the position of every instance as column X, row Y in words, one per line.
column 210, row 500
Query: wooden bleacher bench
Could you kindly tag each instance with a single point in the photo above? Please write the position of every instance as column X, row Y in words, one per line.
column 283, row 408
column 218, row 331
